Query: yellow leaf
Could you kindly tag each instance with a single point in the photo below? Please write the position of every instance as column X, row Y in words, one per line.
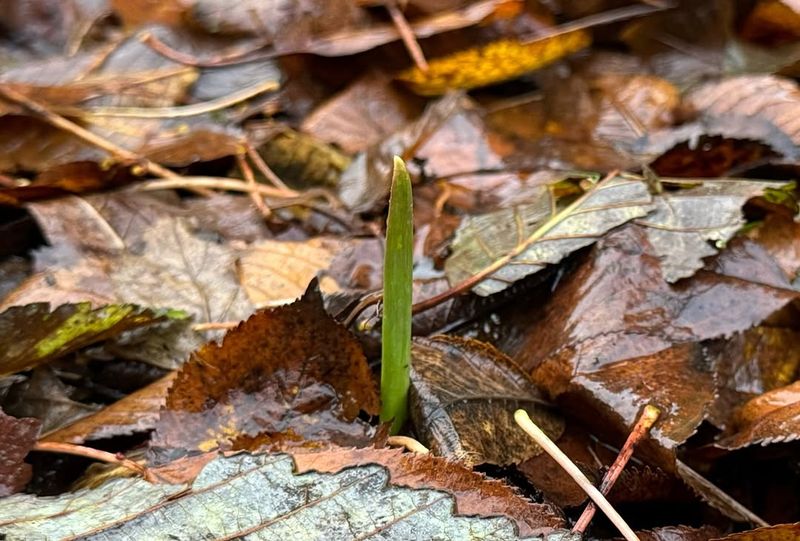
column 492, row 63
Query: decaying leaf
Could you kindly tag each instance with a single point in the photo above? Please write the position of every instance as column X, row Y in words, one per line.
column 463, row 397
column 34, row 334
column 362, row 114
column 688, row 225
column 753, row 98
column 44, row 396
column 473, row 492
column 534, row 236
column 287, row 373
column 780, row 532
column 137, row 412
column 275, row 272
column 608, row 345
column 17, row 436
column 142, row 251
column 250, row 496
column 749, row 364
column 303, row 160
column 772, row 417
column 492, row 63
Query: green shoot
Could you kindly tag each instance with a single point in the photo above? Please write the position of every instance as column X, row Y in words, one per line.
column 396, row 326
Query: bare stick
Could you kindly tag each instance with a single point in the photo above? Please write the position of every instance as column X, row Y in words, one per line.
column 522, row 419
column 215, row 326
column 94, row 454
column 247, row 172
column 642, row 427
column 407, row 35
column 67, row 125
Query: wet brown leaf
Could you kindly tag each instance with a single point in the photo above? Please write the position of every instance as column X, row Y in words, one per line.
column 450, row 136
column 289, row 372
column 463, row 397
column 749, row 364
column 17, row 436
column 781, row 532
column 772, row 417
column 616, row 336
column 45, row 397
column 474, row 493
column 678, row 533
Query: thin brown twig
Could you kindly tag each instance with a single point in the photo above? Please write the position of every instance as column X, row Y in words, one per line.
column 81, row 132
column 407, row 35
column 94, row 454
column 643, row 424
column 247, row 173
column 530, row 428
column 265, row 169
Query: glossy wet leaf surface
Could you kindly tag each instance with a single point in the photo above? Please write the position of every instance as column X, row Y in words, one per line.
column 290, row 373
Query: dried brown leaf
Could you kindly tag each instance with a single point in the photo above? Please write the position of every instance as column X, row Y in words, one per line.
column 290, row 372
column 463, row 395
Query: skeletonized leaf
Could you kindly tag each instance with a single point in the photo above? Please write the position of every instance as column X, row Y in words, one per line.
column 684, row 222
column 532, row 236
column 464, row 393
column 250, row 497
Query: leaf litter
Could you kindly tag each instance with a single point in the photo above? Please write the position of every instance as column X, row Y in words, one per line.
column 244, row 152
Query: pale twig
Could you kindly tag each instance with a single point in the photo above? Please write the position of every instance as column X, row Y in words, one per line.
column 643, row 424
column 216, row 326
column 94, row 454
column 409, row 443
column 407, row 35
column 185, row 110
column 214, row 183
column 522, row 419
column 93, row 139
column 247, row 173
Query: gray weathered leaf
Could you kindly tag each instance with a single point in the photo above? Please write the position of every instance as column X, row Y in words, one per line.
column 684, row 222
column 249, row 497
column 538, row 236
